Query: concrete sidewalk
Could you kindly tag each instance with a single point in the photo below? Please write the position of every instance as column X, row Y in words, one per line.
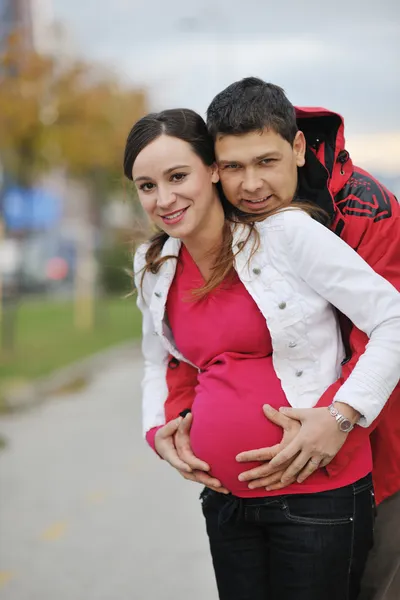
column 88, row 512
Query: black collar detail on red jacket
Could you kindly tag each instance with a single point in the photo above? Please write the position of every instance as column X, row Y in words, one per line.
column 313, row 184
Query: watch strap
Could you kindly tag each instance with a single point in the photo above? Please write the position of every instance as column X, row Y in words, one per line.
column 340, row 418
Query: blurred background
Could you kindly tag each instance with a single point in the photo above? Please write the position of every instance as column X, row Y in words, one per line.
column 74, row 76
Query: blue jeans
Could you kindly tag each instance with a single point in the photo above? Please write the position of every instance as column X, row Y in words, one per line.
column 291, row 547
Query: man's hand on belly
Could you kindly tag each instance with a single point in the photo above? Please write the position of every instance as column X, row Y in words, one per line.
column 198, row 467
column 264, row 476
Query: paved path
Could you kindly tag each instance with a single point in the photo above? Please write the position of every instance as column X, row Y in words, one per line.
column 87, row 512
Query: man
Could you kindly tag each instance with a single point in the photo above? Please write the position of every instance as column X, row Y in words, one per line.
column 242, row 120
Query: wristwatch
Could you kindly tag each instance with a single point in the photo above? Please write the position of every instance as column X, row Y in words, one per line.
column 343, row 422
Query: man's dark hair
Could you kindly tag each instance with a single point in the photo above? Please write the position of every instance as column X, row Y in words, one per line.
column 252, row 105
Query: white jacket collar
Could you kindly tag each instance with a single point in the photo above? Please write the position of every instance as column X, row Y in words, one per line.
column 173, row 245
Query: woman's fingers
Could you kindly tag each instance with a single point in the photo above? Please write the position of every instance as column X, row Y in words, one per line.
column 183, row 447
column 169, row 429
column 165, row 445
column 171, row 456
column 207, row 480
column 220, row 490
column 277, row 417
column 204, row 479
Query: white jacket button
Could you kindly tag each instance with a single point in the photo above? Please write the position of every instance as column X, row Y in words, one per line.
column 158, row 294
column 299, row 373
column 282, row 305
column 292, row 344
column 257, row 271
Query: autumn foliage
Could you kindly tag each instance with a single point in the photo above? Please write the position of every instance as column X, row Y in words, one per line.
column 67, row 114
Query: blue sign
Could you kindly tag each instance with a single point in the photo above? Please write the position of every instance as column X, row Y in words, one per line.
column 30, row 209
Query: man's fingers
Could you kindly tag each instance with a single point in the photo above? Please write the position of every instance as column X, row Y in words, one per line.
column 297, row 465
column 255, row 473
column 308, row 470
column 263, row 482
column 276, row 417
column 272, row 482
column 273, row 479
column 284, row 456
column 259, row 454
column 269, row 479
column 279, row 486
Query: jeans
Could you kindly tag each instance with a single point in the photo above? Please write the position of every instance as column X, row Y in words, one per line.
column 291, row 547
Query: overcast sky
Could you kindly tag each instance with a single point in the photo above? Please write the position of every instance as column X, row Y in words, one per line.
column 345, row 57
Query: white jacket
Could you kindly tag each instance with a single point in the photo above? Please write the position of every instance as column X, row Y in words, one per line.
column 298, row 272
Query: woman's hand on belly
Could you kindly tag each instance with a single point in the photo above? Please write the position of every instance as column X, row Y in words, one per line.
column 175, row 432
column 165, row 445
column 263, row 476
column 316, row 444
column 300, row 453
column 199, row 468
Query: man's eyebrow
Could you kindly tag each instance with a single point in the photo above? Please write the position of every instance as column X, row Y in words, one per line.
column 227, row 161
column 166, row 172
column 272, row 154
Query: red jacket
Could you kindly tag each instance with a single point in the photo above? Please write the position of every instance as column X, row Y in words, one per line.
column 367, row 216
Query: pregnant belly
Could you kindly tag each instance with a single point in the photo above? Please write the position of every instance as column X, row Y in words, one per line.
column 228, row 417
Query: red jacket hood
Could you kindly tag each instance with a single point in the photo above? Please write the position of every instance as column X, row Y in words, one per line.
column 324, row 132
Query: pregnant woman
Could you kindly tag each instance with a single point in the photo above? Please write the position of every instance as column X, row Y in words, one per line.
column 251, row 305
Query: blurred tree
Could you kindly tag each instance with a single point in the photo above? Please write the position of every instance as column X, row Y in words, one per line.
column 52, row 114
column 73, row 115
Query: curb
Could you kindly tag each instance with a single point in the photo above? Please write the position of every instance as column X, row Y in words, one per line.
column 69, row 378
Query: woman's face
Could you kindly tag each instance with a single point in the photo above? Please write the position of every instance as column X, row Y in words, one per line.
column 175, row 187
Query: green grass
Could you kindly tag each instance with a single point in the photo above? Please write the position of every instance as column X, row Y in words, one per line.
column 46, row 338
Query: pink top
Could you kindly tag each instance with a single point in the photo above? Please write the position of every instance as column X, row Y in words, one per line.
column 226, row 336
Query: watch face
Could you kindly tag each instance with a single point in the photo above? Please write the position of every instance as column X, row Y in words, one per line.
column 346, row 425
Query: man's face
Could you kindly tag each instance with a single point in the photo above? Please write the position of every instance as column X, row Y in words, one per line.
column 258, row 170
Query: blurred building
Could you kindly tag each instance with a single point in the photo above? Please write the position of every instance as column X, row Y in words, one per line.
column 34, row 18
column 16, row 15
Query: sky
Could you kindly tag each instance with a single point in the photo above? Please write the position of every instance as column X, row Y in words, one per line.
column 342, row 55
